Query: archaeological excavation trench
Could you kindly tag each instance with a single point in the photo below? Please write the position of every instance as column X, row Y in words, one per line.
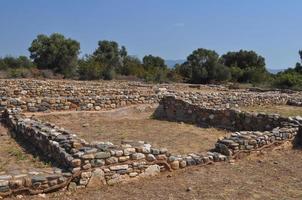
column 165, row 130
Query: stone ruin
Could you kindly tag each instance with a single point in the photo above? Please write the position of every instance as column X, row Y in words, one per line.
column 79, row 164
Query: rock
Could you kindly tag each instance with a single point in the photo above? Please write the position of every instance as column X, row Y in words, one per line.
column 133, row 174
column 138, row 156
column 182, row 164
column 128, row 151
column 161, row 157
column 102, row 155
column 97, row 179
column 5, row 177
column 152, row 170
column 88, row 156
column 123, row 158
column 76, row 162
column 3, row 183
column 118, row 167
column 42, row 195
column 86, row 175
column 38, row 178
column 175, row 164
column 112, row 160
column 150, row 157
column 72, row 187
column 87, row 166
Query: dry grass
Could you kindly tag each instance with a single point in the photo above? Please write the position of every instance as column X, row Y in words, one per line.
column 115, row 126
column 13, row 156
column 283, row 110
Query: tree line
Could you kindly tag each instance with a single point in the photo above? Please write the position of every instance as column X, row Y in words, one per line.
column 56, row 54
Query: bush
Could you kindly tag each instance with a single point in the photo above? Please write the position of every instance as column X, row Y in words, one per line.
column 19, row 73
column 288, row 81
column 89, row 69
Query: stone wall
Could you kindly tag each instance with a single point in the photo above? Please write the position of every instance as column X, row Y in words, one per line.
column 176, row 109
column 82, row 163
column 37, row 95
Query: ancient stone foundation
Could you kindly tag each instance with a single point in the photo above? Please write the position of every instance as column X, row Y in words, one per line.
column 80, row 164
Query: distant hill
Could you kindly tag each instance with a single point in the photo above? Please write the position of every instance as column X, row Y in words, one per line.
column 171, row 63
column 275, row 71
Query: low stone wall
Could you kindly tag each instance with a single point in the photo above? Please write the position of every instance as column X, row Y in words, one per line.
column 176, row 109
column 38, row 95
column 247, row 141
column 95, row 163
column 33, row 181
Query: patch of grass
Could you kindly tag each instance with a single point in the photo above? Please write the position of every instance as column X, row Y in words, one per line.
column 17, row 153
column 39, row 164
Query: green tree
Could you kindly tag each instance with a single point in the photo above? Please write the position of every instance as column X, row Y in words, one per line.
column 202, row 67
column 132, row 66
column 10, row 62
column 151, row 62
column 243, row 59
column 55, row 52
column 155, row 69
column 89, row 69
column 245, row 66
column 109, row 55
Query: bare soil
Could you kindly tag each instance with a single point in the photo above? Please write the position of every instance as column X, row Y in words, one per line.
column 283, row 110
column 136, row 123
column 15, row 157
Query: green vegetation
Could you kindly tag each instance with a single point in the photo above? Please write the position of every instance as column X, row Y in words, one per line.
column 55, row 52
column 57, row 56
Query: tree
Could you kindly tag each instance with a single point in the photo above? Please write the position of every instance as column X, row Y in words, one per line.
column 151, row 62
column 132, row 66
column 202, row 67
column 109, row 54
column 89, row 69
column 243, row 59
column 245, row 66
column 111, row 57
column 298, row 67
column 10, row 62
column 155, row 69
column 55, row 52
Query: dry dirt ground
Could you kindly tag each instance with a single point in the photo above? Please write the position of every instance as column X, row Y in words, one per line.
column 283, row 110
column 15, row 157
column 136, row 123
column 273, row 174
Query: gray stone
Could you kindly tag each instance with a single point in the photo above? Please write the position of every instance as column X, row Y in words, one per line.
column 138, row 156
column 118, row 167
column 102, row 155
column 38, row 178
column 112, row 160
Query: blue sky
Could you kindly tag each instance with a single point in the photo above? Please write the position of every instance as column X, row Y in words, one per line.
column 171, row 29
